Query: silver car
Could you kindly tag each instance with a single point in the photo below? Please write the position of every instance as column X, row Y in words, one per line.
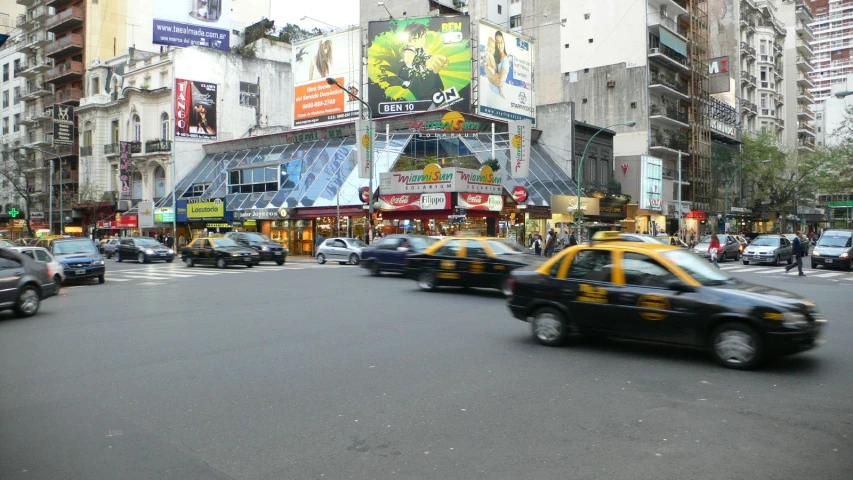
column 108, row 247
column 341, row 250
column 771, row 249
column 42, row 255
column 804, row 242
column 729, row 248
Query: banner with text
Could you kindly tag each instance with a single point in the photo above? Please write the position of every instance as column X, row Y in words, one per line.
column 506, row 74
column 519, row 147
column 124, row 169
column 207, row 24
column 415, row 201
column 195, row 109
column 335, row 56
column 364, row 133
column 434, row 179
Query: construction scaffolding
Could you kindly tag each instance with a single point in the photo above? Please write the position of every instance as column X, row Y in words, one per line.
column 699, row 172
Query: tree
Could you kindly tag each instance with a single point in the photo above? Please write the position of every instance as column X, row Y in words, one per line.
column 838, row 179
column 292, row 33
column 17, row 167
column 92, row 199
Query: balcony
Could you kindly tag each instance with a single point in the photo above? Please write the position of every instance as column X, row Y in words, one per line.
column 38, row 14
column 805, row 113
column 69, row 96
column 804, row 64
column 805, row 129
column 71, row 43
column 27, row 3
column 780, row 99
column 34, row 41
column 780, row 123
column 803, row 12
column 667, row 85
column 806, row 144
column 668, row 115
column 37, row 115
column 805, row 31
column 86, row 151
column 748, row 79
column 804, row 80
column 747, row 50
column 656, row 21
column 157, row 145
column 804, row 96
column 135, row 147
column 34, row 66
column 38, row 140
column 68, row 18
column 36, row 90
column 111, row 149
column 804, row 48
column 65, row 71
column 669, row 56
column 666, row 144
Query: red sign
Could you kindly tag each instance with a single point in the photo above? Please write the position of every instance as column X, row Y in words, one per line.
column 698, row 215
column 519, row 194
column 365, row 194
column 415, row 201
column 127, row 221
column 480, row 201
column 37, row 222
column 183, row 99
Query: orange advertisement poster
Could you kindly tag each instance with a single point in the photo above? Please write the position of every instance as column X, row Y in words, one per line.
column 319, row 100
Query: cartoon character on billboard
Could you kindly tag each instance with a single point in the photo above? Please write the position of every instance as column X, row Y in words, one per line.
column 420, row 69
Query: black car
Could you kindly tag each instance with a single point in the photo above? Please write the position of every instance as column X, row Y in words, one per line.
column 79, row 257
column 661, row 294
column 143, row 250
column 834, row 249
column 390, row 253
column 220, row 251
column 24, row 283
column 268, row 249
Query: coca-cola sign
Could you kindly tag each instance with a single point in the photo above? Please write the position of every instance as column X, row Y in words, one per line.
column 479, row 201
column 519, row 194
column 365, row 194
column 414, row 201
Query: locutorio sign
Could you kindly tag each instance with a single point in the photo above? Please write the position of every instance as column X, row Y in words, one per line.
column 434, row 179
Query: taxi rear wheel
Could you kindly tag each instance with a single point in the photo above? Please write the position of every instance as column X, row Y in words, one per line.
column 427, row 280
column 551, row 328
column 221, row 263
column 736, row 345
column 189, row 262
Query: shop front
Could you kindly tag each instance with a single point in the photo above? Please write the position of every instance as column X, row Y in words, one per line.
column 595, row 213
column 648, row 212
column 121, row 225
column 201, row 217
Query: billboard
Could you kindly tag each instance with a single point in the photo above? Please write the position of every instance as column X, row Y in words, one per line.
column 203, row 22
column 195, row 109
column 506, row 74
column 434, row 179
column 145, row 214
column 337, row 56
column 519, row 150
column 124, row 169
column 419, row 64
column 63, row 124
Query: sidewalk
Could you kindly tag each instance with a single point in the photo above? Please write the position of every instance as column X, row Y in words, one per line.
column 300, row 259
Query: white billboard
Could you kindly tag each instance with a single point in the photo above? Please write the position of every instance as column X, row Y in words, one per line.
column 185, row 23
column 506, row 75
column 335, row 56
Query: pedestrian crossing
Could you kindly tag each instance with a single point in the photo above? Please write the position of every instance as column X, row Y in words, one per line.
column 155, row 274
column 771, row 271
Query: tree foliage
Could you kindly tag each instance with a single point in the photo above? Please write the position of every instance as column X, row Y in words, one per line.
column 18, row 168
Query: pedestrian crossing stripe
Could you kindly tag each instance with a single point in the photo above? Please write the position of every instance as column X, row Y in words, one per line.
column 827, row 275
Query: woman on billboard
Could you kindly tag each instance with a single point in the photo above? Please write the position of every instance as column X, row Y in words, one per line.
column 498, row 66
column 322, row 63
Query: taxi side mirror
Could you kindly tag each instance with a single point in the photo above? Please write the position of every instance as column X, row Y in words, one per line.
column 679, row 286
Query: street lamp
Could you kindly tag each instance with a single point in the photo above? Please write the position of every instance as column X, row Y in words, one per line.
column 382, row 4
column 332, row 81
column 629, row 123
column 729, row 184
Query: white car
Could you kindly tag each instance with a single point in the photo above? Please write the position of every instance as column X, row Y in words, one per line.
column 42, row 255
column 341, row 250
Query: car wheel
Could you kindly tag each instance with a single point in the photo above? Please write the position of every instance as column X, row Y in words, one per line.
column 118, row 257
column 745, row 262
column 776, row 261
column 374, row 269
column 221, row 263
column 353, row 259
column 109, row 255
column 550, row 328
column 28, row 302
column 57, row 282
column 189, row 262
column 321, row 259
column 427, row 280
column 279, row 262
column 250, row 265
column 141, row 258
column 736, row 345
column 101, row 279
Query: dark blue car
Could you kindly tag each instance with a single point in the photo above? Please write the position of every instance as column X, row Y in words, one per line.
column 79, row 257
column 389, row 254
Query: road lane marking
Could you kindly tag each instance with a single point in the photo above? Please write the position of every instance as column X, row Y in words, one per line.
column 826, row 275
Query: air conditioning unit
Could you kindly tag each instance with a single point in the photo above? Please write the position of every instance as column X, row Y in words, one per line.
column 611, row 84
column 123, row 205
column 653, row 51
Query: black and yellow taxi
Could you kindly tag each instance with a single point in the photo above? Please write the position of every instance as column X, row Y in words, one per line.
column 660, row 293
column 477, row 262
column 220, row 251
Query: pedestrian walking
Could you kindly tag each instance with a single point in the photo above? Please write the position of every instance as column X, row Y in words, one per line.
column 537, row 245
column 572, row 240
column 550, row 241
column 169, row 240
column 714, row 249
column 798, row 254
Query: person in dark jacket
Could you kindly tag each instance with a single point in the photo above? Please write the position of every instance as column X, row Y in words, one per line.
column 798, row 254
column 572, row 240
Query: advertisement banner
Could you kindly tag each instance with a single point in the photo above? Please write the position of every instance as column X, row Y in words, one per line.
column 164, row 215
column 337, row 56
column 206, row 24
column 506, row 74
column 519, row 147
column 146, row 214
column 127, row 221
column 434, row 179
column 270, row 213
column 651, row 183
column 206, row 209
column 195, row 109
column 419, row 64
column 63, row 124
column 478, row 201
column 483, row 180
column 364, row 132
column 124, row 169
column 415, row 201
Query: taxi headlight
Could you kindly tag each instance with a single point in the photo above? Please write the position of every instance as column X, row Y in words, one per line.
column 794, row 319
column 149, row 251
column 264, row 248
column 235, row 254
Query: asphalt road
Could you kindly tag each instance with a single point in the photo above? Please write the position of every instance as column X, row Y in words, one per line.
column 323, row 372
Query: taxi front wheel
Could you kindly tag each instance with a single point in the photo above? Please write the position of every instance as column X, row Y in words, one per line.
column 737, row 345
column 426, row 280
column 551, row 328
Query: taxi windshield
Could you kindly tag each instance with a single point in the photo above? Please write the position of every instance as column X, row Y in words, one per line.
column 506, row 247
column 223, row 242
column 765, row 242
column 701, row 270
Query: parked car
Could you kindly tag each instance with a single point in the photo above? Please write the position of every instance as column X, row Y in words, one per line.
column 79, row 257
column 220, row 251
column 268, row 249
column 729, row 248
column 389, row 253
column 771, row 249
column 24, row 241
column 6, row 244
column 42, row 255
column 834, row 249
column 341, row 250
column 143, row 250
column 24, row 283
column 108, row 247
column 806, row 244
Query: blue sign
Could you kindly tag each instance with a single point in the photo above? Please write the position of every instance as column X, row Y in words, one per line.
column 179, row 34
column 181, row 211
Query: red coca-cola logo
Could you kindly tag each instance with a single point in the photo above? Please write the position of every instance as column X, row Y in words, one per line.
column 474, row 199
column 365, row 194
column 399, row 200
column 519, row 194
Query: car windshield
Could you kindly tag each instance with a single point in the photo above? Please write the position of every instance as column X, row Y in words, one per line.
column 147, row 242
column 705, row 239
column 4, row 243
column 506, row 247
column 223, row 242
column 765, row 242
column 663, row 240
column 833, row 239
column 356, row 242
column 258, row 238
column 69, row 247
column 421, row 243
column 701, row 270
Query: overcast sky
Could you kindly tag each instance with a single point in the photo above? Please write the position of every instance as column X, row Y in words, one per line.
column 340, row 13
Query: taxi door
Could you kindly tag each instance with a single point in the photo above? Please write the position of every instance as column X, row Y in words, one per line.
column 449, row 262
column 204, row 253
column 476, row 265
column 586, row 288
column 647, row 308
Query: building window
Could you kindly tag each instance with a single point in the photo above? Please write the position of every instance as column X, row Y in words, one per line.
column 137, row 129
column 114, row 132
column 87, row 135
column 515, row 21
column 6, row 99
column 137, row 186
column 6, row 126
column 159, row 182
column 500, row 9
column 16, row 123
column 164, row 126
column 249, row 96
column 96, row 85
column 17, row 67
column 251, row 180
column 6, row 72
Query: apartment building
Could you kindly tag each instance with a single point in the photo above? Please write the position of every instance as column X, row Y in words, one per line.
column 11, row 117
column 798, row 67
column 832, row 26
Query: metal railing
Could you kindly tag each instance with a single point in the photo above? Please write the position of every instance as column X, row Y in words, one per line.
column 666, row 81
column 86, row 151
column 805, row 93
column 73, row 39
column 157, row 145
column 669, row 23
column 111, row 149
column 662, row 141
column 65, row 15
column 805, row 126
column 135, row 147
column 805, row 111
column 669, row 53
column 69, row 95
column 668, row 111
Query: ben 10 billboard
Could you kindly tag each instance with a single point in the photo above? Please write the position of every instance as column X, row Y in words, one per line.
column 419, row 64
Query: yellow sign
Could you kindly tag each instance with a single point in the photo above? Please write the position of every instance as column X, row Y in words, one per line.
column 118, row 217
column 653, row 302
column 73, row 229
column 217, row 225
column 592, row 294
column 214, row 209
column 250, row 223
column 448, row 276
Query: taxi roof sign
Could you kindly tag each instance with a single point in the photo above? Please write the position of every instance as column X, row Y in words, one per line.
column 605, row 236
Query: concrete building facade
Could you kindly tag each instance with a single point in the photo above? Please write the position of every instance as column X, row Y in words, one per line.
column 833, row 31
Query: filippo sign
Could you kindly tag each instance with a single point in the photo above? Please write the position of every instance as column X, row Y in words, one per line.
column 415, row 201
column 434, row 179
column 478, row 201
